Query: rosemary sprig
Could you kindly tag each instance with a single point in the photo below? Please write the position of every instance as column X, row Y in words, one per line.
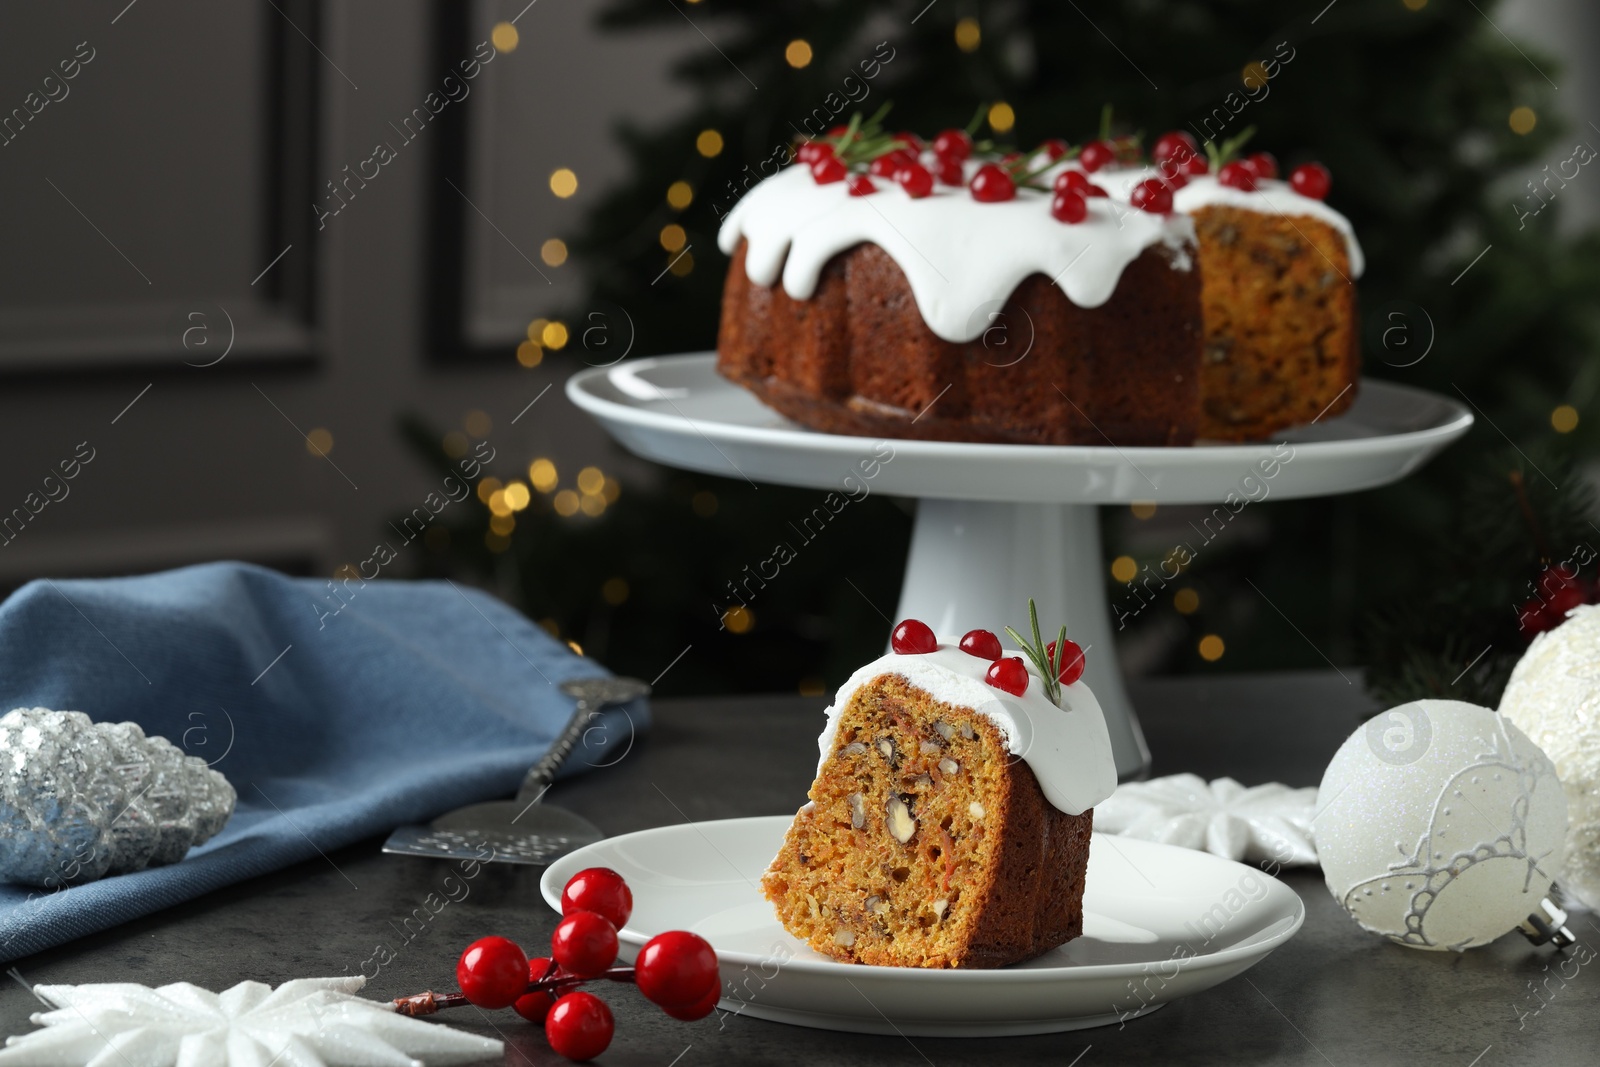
column 1127, row 147
column 1219, row 156
column 1041, row 655
column 977, row 119
column 1025, row 178
column 863, row 139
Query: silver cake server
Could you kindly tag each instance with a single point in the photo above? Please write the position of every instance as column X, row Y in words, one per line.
column 523, row 830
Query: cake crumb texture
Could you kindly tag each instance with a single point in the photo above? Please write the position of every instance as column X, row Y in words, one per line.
column 1281, row 340
column 927, row 844
column 858, row 358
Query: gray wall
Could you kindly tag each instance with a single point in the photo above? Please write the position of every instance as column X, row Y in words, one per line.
column 160, row 215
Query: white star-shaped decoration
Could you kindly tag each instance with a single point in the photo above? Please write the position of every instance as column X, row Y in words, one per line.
column 1260, row 823
column 307, row 1022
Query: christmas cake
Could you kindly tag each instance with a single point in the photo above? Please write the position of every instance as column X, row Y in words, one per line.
column 885, row 287
column 948, row 825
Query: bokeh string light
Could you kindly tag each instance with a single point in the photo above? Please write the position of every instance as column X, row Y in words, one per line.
column 968, row 34
column 563, row 182
column 542, row 474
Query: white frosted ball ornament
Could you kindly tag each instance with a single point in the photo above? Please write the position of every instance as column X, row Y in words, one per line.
column 1554, row 695
column 1440, row 825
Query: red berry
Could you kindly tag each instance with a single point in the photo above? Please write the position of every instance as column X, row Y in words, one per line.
column 1175, row 145
column 915, row 180
column 953, row 144
column 812, row 151
column 992, row 184
column 1264, row 164
column 1071, row 180
column 1069, row 664
column 838, row 131
column 1237, row 175
column 910, row 140
column 676, row 969
column 1563, row 601
column 699, row 1009
column 913, row 638
column 1096, row 154
column 981, row 643
column 600, row 890
column 828, row 170
column 1152, row 195
column 492, row 972
column 1094, row 190
column 1196, row 164
column 950, row 171
column 885, row 165
column 1533, row 619
column 1055, row 148
column 580, row 1026
column 861, row 185
column 1311, row 179
column 1172, row 172
column 1069, row 206
column 535, row 1006
column 584, row 943
column 1009, row 158
column 1008, row 674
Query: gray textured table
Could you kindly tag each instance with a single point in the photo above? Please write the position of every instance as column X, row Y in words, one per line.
column 1333, row 995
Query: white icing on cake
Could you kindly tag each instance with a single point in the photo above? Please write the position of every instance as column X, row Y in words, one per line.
column 1066, row 747
column 962, row 258
column 1270, row 197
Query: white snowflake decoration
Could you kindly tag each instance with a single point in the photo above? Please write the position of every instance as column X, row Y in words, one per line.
column 1260, row 823
column 307, row 1022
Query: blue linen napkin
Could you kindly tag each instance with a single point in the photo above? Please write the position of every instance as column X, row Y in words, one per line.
column 337, row 709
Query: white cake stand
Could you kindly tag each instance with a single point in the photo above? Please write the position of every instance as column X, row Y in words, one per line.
column 997, row 524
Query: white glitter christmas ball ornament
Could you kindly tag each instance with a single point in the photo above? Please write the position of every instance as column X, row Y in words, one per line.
column 1554, row 696
column 1440, row 825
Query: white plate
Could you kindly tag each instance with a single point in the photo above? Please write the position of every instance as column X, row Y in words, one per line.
column 1160, row 922
column 679, row 411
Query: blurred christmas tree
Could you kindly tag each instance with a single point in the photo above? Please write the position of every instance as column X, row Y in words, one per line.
column 1424, row 112
column 683, row 582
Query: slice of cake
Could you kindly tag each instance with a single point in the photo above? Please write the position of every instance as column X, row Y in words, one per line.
column 949, row 822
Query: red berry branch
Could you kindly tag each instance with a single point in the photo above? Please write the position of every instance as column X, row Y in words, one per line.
column 676, row 970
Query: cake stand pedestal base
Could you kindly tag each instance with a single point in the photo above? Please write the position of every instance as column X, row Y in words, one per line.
column 974, row 564
column 997, row 524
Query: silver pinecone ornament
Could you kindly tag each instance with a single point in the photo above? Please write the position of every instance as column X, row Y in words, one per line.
column 80, row 800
